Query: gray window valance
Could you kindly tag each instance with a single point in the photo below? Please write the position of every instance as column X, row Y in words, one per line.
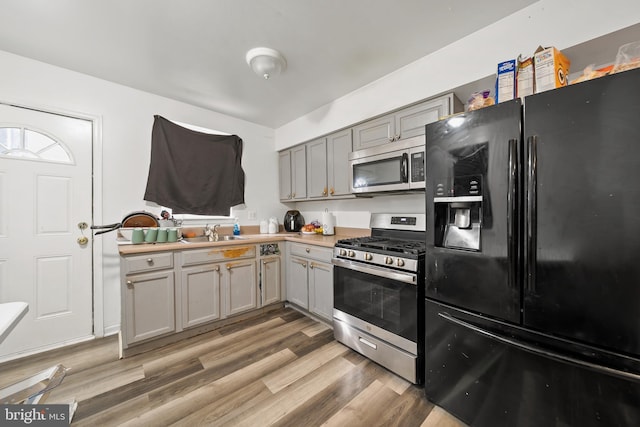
column 193, row 172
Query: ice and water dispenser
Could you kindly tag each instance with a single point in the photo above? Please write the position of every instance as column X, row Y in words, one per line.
column 458, row 218
column 458, row 200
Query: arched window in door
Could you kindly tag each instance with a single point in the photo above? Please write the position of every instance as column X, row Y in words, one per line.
column 24, row 143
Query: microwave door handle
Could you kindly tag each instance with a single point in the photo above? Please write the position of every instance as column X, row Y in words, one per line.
column 404, row 168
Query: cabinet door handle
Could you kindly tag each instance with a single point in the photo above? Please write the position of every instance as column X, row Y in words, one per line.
column 217, row 269
column 311, row 265
column 130, row 283
column 228, row 267
column 308, row 250
column 293, row 195
column 324, row 192
column 332, row 191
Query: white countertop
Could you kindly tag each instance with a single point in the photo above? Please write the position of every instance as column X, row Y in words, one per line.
column 10, row 315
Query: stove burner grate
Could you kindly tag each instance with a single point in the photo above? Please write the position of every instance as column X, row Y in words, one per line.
column 384, row 245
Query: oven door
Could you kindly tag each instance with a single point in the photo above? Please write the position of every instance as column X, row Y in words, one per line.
column 379, row 296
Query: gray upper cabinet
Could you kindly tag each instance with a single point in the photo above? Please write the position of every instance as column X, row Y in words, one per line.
column 293, row 177
column 317, row 168
column 338, row 149
column 374, row 132
column 405, row 123
column 285, row 174
column 327, row 168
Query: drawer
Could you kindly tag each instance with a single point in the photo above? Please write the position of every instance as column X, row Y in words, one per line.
column 310, row 251
column 217, row 254
column 149, row 262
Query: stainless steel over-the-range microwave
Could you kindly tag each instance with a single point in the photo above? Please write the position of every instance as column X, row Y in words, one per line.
column 395, row 166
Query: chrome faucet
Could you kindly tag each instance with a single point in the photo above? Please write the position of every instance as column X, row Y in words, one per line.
column 212, row 232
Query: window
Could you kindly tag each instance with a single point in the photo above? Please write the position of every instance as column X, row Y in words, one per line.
column 201, row 219
column 29, row 144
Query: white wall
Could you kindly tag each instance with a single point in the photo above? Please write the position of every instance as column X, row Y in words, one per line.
column 126, row 117
column 562, row 24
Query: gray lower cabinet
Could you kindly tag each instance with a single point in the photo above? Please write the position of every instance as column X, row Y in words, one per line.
column 239, row 282
column 321, row 289
column 164, row 293
column 270, row 273
column 310, row 279
column 200, row 294
column 297, row 281
column 224, row 277
column 270, row 277
column 148, row 295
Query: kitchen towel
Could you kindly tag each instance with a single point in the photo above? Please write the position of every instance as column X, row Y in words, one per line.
column 193, row 172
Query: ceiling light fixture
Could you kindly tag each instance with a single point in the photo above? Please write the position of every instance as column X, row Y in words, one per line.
column 266, row 62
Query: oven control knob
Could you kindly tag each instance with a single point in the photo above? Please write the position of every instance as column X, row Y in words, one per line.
column 400, row 263
column 351, row 254
column 388, row 260
column 343, row 252
column 368, row 257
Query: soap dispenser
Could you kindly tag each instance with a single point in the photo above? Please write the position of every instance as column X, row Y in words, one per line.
column 236, row 227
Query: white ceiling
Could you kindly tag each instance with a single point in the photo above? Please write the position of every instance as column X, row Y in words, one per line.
column 194, row 50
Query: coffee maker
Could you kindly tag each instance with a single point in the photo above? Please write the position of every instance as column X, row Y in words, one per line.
column 293, row 221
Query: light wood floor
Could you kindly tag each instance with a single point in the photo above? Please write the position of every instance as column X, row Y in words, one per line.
column 280, row 368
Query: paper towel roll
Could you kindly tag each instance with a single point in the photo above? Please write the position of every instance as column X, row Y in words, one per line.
column 328, row 224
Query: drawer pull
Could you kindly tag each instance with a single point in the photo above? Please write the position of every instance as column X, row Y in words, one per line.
column 308, row 250
column 369, row 343
column 150, row 260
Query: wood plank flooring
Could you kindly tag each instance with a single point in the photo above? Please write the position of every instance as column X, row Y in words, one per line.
column 278, row 369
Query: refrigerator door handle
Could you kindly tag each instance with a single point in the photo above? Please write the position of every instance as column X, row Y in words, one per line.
column 512, row 215
column 530, row 247
column 540, row 351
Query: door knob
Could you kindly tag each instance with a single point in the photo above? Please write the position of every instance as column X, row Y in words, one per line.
column 82, row 240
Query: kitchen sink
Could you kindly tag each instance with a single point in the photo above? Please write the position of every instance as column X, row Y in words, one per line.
column 221, row 238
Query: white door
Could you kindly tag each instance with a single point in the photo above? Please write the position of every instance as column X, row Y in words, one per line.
column 45, row 193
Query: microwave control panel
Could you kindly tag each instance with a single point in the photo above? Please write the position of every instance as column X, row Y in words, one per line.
column 417, row 167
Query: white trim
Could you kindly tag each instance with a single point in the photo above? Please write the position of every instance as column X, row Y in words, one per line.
column 98, row 257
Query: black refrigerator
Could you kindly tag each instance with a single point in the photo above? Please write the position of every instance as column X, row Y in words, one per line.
column 533, row 259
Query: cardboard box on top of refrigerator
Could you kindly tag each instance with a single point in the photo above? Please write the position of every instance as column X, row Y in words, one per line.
column 524, row 77
column 506, row 81
column 551, row 69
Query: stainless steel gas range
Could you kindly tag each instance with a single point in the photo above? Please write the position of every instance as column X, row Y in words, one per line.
column 379, row 293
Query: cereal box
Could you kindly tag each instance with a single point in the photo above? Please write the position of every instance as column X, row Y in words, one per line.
column 524, row 77
column 506, row 81
column 551, row 69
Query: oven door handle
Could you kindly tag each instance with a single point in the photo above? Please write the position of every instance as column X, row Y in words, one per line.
column 376, row 271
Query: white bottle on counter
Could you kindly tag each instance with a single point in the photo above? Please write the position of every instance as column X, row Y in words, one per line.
column 273, row 225
column 264, row 226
